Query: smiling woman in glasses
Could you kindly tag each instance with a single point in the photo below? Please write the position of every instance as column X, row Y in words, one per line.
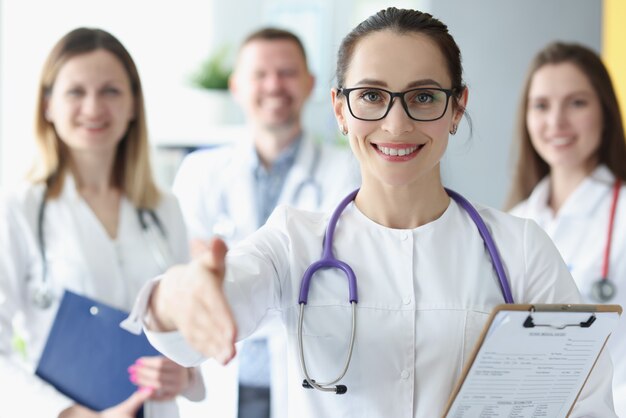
column 426, row 279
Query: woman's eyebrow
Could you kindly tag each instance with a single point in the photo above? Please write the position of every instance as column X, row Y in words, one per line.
column 379, row 83
column 542, row 96
column 371, row 82
column 424, row 82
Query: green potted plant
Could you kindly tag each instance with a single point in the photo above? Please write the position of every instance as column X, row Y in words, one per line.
column 213, row 72
column 212, row 79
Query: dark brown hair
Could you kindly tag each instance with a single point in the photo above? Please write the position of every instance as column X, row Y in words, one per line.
column 404, row 21
column 275, row 34
column 530, row 167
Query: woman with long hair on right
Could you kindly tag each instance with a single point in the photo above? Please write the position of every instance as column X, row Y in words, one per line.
column 571, row 173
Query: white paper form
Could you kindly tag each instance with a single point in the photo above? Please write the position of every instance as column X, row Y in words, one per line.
column 532, row 372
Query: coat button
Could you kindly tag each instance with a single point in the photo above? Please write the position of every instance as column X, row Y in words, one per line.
column 405, row 374
column 407, row 300
column 404, row 236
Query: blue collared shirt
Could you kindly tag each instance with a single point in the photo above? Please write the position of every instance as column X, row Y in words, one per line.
column 269, row 183
column 254, row 358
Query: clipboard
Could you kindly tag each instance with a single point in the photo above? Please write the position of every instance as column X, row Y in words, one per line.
column 87, row 353
column 532, row 358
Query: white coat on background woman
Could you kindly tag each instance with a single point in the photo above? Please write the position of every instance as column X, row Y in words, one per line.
column 426, row 284
column 571, row 177
column 75, row 225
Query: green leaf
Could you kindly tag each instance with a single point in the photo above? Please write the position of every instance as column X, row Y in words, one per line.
column 214, row 72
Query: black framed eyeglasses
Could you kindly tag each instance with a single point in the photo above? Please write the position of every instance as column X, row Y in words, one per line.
column 423, row 104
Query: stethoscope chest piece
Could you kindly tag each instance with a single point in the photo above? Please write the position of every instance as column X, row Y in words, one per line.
column 42, row 296
column 603, row 290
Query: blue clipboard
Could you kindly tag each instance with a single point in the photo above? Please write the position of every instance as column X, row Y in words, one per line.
column 87, row 353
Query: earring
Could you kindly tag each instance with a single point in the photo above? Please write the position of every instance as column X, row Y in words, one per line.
column 343, row 130
column 453, row 130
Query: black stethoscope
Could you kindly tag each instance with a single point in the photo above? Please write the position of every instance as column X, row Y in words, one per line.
column 603, row 290
column 328, row 261
column 225, row 226
column 42, row 294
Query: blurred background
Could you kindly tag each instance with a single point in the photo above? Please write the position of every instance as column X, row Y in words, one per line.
column 170, row 41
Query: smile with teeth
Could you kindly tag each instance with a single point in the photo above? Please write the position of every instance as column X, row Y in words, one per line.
column 94, row 126
column 561, row 141
column 276, row 101
column 398, row 151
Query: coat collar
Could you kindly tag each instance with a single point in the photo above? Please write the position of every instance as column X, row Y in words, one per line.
column 582, row 202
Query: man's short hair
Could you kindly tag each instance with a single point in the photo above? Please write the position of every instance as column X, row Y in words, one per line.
column 275, row 34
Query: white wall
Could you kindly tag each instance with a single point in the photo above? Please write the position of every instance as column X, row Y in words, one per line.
column 497, row 39
column 167, row 44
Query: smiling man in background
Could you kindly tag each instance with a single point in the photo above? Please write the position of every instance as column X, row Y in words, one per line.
column 231, row 191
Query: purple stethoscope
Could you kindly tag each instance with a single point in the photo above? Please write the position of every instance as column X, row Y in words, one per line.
column 328, row 260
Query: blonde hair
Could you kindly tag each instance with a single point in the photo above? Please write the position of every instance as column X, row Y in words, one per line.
column 132, row 172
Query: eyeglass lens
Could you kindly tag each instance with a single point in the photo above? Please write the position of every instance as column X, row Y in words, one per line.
column 422, row 104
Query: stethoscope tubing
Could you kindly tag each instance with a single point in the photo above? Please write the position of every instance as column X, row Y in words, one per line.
column 310, row 179
column 603, row 290
column 42, row 295
column 226, row 227
column 609, row 235
column 328, row 260
column 489, row 243
column 323, row 385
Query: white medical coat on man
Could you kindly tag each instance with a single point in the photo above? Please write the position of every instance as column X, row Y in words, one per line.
column 215, row 191
column 424, row 297
column 81, row 257
column 579, row 231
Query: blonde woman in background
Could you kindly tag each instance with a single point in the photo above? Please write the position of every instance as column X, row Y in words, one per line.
column 90, row 220
column 570, row 177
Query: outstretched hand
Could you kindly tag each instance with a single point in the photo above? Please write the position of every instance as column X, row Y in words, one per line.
column 198, row 247
column 191, row 299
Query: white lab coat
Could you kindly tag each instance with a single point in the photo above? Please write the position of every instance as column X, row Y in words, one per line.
column 424, row 297
column 80, row 257
column 215, row 191
column 579, row 231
